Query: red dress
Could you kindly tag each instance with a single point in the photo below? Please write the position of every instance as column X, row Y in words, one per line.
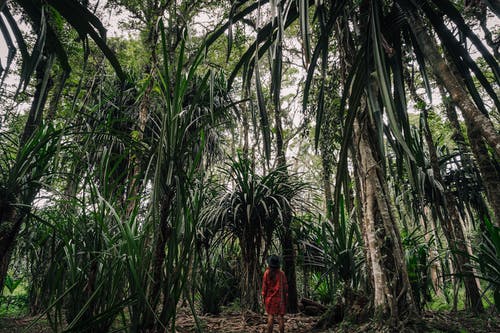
column 275, row 292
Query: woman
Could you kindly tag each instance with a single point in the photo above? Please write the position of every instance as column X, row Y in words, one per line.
column 274, row 293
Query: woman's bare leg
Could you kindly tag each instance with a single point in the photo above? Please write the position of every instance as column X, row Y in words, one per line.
column 270, row 323
column 281, row 321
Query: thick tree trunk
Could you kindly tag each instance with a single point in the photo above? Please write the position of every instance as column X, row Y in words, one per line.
column 250, row 242
column 392, row 292
column 327, row 159
column 360, row 197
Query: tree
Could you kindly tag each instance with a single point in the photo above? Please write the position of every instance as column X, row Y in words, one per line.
column 251, row 208
column 48, row 46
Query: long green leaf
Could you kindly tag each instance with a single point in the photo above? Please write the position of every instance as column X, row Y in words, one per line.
column 449, row 9
column 463, row 61
column 383, row 80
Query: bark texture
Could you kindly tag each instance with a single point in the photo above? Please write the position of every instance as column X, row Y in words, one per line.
column 162, row 235
column 251, row 243
column 393, row 299
column 9, row 227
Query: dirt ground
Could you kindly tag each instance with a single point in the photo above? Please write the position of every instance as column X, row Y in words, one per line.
column 434, row 322
column 248, row 322
column 229, row 322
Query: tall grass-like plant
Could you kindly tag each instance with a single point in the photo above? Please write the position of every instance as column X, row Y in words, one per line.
column 23, row 170
column 337, row 254
column 85, row 282
column 115, row 254
column 487, row 262
column 418, row 265
column 178, row 129
column 215, row 281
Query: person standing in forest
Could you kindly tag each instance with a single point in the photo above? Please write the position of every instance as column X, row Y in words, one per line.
column 274, row 293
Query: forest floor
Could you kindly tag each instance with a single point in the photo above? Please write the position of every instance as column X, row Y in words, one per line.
column 236, row 322
column 432, row 321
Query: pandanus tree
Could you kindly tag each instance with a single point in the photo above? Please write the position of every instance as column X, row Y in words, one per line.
column 178, row 138
column 37, row 143
column 377, row 37
column 250, row 207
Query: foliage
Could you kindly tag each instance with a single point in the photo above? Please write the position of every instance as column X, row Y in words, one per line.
column 15, row 301
column 216, row 283
column 133, row 225
column 488, row 259
column 46, row 20
column 249, row 207
column 13, row 305
column 22, row 169
column 338, row 253
column 323, row 290
column 418, row 265
column 251, row 200
column 12, row 283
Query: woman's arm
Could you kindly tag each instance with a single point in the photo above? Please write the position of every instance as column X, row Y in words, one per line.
column 264, row 286
column 285, row 286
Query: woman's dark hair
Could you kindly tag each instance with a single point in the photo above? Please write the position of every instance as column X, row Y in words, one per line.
column 274, row 266
column 272, row 273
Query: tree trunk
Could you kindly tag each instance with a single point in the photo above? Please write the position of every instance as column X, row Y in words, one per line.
column 9, row 227
column 244, row 123
column 445, row 76
column 490, row 174
column 452, row 227
column 392, row 292
column 250, row 242
column 163, row 234
column 287, row 241
column 11, row 217
column 360, row 197
column 327, row 187
column 327, row 158
column 142, row 117
column 290, row 269
column 435, row 266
